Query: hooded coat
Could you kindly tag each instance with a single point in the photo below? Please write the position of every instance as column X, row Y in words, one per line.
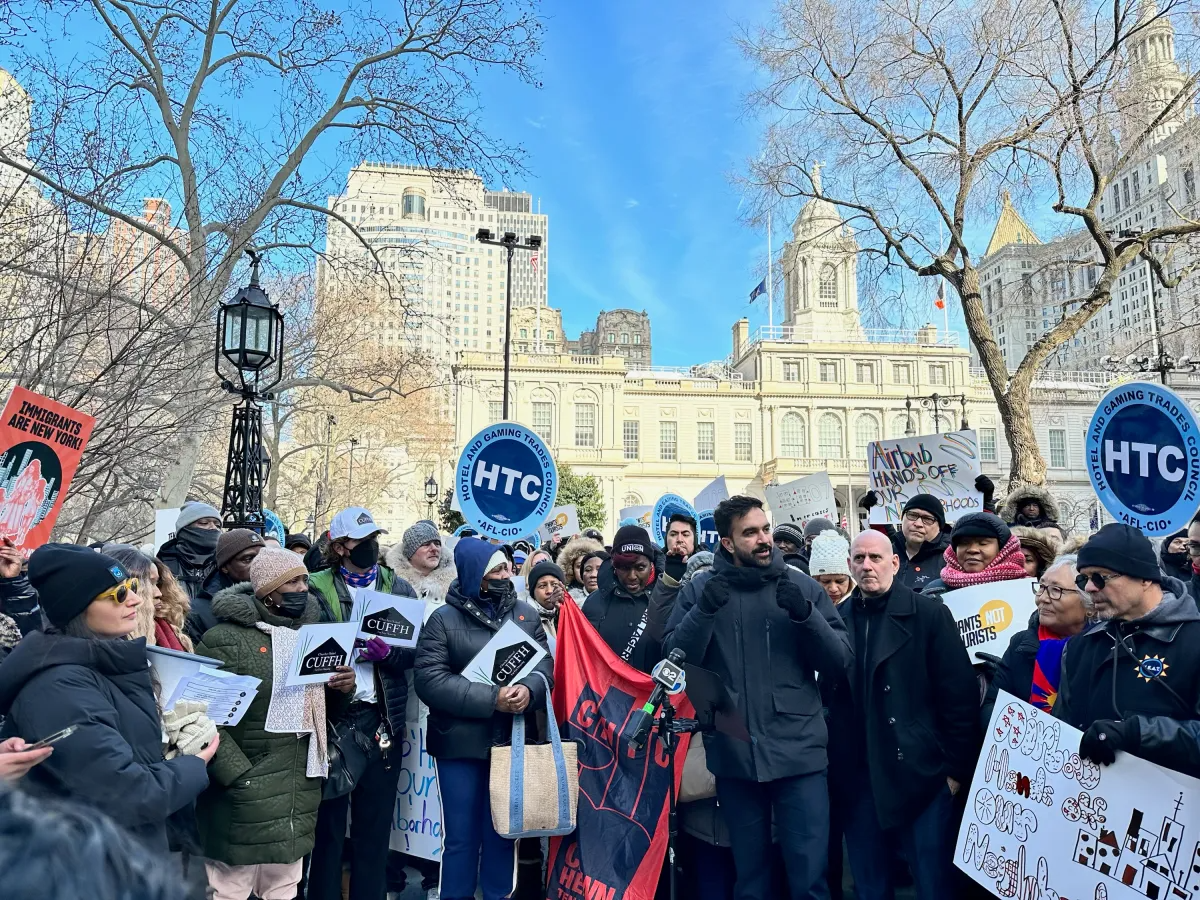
column 261, row 807
column 1175, row 565
column 1145, row 672
column 574, row 551
column 463, row 720
column 114, row 761
column 1011, row 513
column 431, row 588
column 768, row 660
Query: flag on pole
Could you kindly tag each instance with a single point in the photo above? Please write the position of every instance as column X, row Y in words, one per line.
column 759, row 291
column 940, row 302
column 533, row 260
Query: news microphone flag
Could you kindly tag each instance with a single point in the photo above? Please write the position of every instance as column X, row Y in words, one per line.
column 759, row 291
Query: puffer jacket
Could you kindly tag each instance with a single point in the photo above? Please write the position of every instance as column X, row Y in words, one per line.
column 463, row 720
column 19, row 601
column 114, row 761
column 261, row 807
column 1011, row 513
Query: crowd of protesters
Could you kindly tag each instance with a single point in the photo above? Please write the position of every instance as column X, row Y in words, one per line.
column 864, row 708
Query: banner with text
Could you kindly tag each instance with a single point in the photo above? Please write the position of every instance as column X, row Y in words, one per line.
column 945, row 465
column 1042, row 823
column 41, row 443
column 799, row 501
column 988, row 615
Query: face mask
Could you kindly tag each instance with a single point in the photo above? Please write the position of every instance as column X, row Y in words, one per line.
column 365, row 554
column 497, row 588
column 197, row 545
column 292, row 604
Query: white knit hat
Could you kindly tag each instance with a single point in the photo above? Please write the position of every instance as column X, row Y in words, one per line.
column 830, row 555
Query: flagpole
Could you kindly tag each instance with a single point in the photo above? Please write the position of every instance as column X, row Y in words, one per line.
column 945, row 304
column 770, row 279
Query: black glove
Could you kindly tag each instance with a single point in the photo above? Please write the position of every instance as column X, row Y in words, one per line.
column 715, row 595
column 984, row 485
column 870, row 498
column 792, row 600
column 1104, row 738
column 676, row 567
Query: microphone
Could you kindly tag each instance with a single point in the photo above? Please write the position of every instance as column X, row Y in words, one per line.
column 669, row 678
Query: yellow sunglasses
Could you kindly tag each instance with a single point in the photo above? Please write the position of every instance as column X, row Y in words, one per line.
column 120, row 592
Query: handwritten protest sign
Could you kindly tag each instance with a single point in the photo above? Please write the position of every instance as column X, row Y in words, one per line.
column 805, row 498
column 417, row 824
column 988, row 615
column 41, row 443
column 1042, row 823
column 945, row 465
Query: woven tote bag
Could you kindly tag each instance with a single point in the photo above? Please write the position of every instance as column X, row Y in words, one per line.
column 534, row 788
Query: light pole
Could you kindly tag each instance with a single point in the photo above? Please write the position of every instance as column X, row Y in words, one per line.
column 509, row 242
column 431, row 493
column 937, row 404
column 323, row 484
column 250, row 339
column 350, row 476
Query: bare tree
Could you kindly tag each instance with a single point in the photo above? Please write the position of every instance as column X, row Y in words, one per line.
column 245, row 111
column 925, row 111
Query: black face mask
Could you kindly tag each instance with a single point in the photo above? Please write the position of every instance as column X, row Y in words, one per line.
column 365, row 554
column 494, row 590
column 1178, row 560
column 292, row 604
column 197, row 545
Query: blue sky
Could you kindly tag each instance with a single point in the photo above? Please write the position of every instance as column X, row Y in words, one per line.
column 632, row 142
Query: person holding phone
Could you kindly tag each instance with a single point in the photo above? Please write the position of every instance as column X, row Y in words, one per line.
column 17, row 757
column 85, row 671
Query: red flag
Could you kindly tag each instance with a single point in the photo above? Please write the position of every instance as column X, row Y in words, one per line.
column 940, row 302
column 620, row 842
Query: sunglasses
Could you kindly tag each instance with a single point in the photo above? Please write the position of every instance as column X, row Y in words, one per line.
column 1099, row 580
column 120, row 592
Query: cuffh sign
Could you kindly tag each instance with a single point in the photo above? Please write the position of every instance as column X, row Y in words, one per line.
column 506, row 481
column 1143, row 457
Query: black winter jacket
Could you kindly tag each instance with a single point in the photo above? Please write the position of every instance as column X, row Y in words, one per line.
column 19, row 601
column 1014, row 671
column 926, row 566
column 920, row 701
column 191, row 577
column 114, row 761
column 463, row 720
column 768, row 660
column 200, row 616
column 1147, row 670
column 622, row 618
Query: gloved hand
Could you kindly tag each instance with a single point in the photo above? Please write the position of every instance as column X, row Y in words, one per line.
column 715, row 595
column 792, row 600
column 196, row 736
column 372, row 651
column 184, row 719
column 676, row 567
column 870, row 498
column 1105, row 737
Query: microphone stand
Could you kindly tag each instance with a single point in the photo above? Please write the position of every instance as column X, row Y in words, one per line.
column 669, row 728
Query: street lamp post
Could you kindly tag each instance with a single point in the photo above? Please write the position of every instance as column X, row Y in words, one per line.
column 431, row 492
column 509, row 242
column 937, row 404
column 250, row 340
column 350, row 475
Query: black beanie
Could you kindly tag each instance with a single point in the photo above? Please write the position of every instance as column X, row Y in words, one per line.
column 927, row 503
column 542, row 569
column 983, row 525
column 1121, row 549
column 69, row 577
column 633, row 539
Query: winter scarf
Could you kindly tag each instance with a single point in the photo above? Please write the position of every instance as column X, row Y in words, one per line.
column 1047, row 669
column 296, row 708
column 1009, row 564
column 165, row 636
column 366, row 579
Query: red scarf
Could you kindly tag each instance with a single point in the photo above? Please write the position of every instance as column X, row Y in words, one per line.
column 165, row 636
column 1008, row 565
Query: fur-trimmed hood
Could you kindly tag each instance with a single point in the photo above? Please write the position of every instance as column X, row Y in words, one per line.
column 431, row 587
column 238, row 606
column 1039, row 542
column 1014, row 501
column 572, row 552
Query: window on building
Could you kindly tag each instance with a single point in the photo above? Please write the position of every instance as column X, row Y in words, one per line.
column 900, row 426
column 987, row 444
column 543, row 421
column 866, row 432
column 549, row 335
column 524, row 332
column 668, row 440
column 585, row 424
column 937, row 374
column 901, row 374
column 1058, row 448
column 828, row 371
column 743, row 442
column 864, row 373
column 706, row 441
column 792, row 438
column 637, row 338
column 630, row 433
column 829, row 437
column 495, row 411
column 611, row 338
column 791, row 371
column 827, row 291
column 624, row 337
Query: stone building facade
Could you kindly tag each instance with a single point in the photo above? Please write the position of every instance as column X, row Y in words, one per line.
column 618, row 332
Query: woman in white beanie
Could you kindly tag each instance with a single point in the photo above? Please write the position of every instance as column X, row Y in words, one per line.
column 829, row 564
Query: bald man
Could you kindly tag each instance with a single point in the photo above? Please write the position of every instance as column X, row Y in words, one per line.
column 907, row 714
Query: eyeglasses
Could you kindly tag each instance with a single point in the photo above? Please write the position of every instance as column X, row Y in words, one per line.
column 1053, row 591
column 916, row 517
column 1095, row 578
column 119, row 593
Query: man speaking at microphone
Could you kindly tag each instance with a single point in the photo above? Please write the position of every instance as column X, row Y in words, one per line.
column 764, row 628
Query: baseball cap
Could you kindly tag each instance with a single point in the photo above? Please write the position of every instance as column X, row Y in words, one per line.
column 356, row 523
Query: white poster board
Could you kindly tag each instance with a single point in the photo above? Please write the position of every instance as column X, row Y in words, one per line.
column 563, row 520
column 1043, row 824
column 945, row 465
column 714, row 492
column 417, row 823
column 508, row 657
column 802, row 500
column 394, row 619
column 988, row 615
column 320, row 649
column 641, row 514
column 164, row 526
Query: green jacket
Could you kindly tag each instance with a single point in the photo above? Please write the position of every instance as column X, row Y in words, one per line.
column 323, row 584
column 260, row 806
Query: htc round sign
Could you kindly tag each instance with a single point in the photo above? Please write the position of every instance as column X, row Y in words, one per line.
column 668, row 505
column 506, row 481
column 1143, row 454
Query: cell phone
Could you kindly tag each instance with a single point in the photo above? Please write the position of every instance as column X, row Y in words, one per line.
column 53, row 738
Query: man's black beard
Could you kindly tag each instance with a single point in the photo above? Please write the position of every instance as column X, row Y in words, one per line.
column 750, row 560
